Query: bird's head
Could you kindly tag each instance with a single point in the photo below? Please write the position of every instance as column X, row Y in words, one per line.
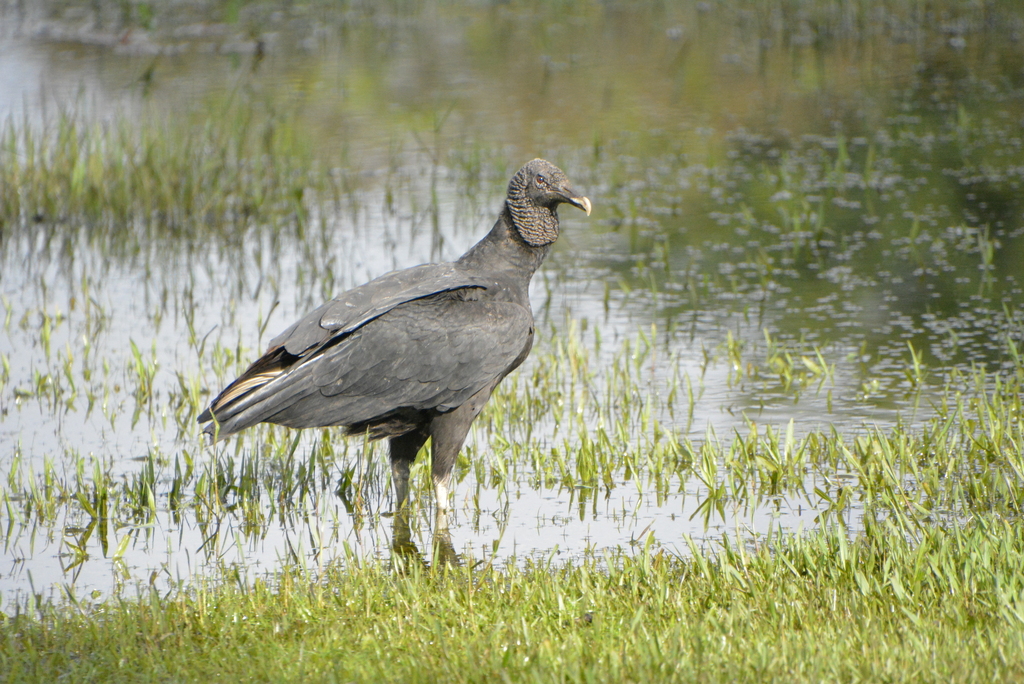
column 534, row 194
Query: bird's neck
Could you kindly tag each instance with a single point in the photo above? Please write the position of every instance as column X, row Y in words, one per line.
column 503, row 249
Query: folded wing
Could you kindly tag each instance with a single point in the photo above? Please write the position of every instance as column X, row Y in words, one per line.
column 426, row 354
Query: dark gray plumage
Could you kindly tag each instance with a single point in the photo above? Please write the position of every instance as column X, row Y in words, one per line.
column 414, row 353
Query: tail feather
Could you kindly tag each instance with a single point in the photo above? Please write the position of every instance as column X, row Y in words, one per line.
column 227, row 412
column 259, row 405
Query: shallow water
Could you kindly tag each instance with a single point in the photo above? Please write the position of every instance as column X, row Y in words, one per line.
column 853, row 193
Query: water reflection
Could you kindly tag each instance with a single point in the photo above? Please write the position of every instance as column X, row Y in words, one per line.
column 440, row 553
column 805, row 222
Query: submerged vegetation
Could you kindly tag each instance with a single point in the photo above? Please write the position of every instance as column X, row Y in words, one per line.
column 773, row 427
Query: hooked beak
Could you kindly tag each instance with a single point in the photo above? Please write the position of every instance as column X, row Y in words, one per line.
column 578, row 201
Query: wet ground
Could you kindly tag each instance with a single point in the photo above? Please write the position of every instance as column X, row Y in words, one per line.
column 804, row 220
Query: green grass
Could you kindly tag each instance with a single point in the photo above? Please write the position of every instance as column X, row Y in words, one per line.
column 599, row 434
column 928, row 589
column 912, row 571
column 813, row 608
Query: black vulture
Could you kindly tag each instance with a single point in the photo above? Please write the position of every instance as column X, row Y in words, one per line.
column 414, row 353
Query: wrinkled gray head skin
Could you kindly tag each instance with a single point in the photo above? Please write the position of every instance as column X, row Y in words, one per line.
column 533, row 195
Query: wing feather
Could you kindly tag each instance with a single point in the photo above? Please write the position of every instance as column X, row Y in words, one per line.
column 426, row 354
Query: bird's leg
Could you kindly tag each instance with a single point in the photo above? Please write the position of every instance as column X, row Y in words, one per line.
column 403, row 452
column 441, row 493
column 441, row 521
column 448, row 432
column 400, row 478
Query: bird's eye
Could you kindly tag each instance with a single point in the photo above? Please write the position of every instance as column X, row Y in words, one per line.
column 542, row 181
